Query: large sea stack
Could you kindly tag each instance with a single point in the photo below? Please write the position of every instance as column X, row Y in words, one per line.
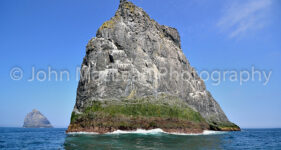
column 135, row 75
column 35, row 119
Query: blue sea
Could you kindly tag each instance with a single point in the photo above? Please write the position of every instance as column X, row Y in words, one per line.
column 56, row 138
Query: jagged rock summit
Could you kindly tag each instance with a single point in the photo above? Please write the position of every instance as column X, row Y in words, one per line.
column 35, row 119
column 135, row 75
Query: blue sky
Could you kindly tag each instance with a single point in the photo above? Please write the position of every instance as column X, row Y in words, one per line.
column 216, row 35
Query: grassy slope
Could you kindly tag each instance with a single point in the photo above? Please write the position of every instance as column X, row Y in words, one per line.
column 165, row 112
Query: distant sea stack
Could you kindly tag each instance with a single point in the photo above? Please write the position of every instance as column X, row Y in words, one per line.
column 35, row 119
column 136, row 76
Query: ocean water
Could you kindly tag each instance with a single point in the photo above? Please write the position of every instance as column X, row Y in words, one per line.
column 22, row 138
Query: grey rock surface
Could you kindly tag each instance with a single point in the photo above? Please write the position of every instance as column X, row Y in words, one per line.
column 35, row 119
column 133, row 55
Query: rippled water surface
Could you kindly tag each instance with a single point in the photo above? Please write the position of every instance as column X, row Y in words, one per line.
column 22, row 138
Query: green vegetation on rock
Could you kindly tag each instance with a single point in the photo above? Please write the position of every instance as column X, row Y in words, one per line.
column 144, row 107
column 136, row 113
column 74, row 117
column 166, row 112
column 224, row 126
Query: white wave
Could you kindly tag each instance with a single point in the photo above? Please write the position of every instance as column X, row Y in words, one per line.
column 153, row 131
column 82, row 133
column 156, row 131
column 205, row 132
column 138, row 131
column 208, row 132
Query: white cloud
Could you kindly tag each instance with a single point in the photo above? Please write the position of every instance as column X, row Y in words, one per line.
column 239, row 18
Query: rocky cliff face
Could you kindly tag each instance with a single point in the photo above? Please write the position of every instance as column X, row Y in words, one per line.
column 132, row 56
column 35, row 119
